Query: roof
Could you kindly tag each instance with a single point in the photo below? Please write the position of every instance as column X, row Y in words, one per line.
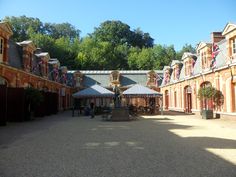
column 120, row 71
column 15, row 55
column 24, row 42
column 187, row 54
column 6, row 27
column 130, row 79
column 42, row 54
column 228, row 28
column 94, row 91
column 139, row 90
column 175, row 62
column 53, row 61
column 102, row 77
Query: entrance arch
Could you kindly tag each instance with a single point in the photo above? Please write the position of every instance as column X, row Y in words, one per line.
column 3, row 81
column 188, row 99
column 166, row 99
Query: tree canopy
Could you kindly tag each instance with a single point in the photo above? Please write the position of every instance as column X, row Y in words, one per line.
column 112, row 45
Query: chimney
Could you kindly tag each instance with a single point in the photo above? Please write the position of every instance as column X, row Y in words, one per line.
column 216, row 37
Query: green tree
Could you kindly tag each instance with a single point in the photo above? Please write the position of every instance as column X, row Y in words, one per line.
column 20, row 26
column 164, row 55
column 57, row 31
column 185, row 48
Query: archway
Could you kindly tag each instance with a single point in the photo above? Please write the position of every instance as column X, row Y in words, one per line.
column 206, row 103
column 3, row 81
column 188, row 99
column 166, row 99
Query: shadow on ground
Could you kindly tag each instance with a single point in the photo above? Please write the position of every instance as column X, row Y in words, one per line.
column 91, row 147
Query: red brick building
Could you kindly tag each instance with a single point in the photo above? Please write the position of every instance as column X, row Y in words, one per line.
column 23, row 65
column 182, row 79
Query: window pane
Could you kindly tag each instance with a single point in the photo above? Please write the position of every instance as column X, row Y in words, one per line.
column 1, row 46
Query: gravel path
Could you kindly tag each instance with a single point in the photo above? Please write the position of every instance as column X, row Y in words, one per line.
column 160, row 146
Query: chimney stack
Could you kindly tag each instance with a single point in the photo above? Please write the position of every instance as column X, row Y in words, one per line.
column 216, row 37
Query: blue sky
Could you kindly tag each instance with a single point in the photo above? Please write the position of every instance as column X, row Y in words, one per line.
column 168, row 21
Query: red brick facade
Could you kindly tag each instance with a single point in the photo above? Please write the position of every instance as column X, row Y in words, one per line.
column 198, row 69
column 23, row 78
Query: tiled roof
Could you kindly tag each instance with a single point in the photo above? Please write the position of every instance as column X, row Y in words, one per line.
column 15, row 53
column 127, row 78
column 94, row 91
column 101, row 79
column 221, row 57
column 120, row 71
column 130, row 79
column 197, row 66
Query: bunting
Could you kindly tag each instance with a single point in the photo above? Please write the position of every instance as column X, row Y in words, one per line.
column 158, row 78
column 215, row 52
column 64, row 78
column 177, row 72
column 55, row 74
column 38, row 65
column 167, row 77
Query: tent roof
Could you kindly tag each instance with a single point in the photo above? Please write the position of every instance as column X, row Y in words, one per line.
column 139, row 90
column 94, row 91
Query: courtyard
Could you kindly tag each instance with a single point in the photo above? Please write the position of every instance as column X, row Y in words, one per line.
column 173, row 145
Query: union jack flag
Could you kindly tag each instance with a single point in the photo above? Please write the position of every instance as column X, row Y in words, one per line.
column 215, row 52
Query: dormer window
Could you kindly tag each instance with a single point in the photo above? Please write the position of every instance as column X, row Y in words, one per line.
column 206, row 57
column 152, row 78
column 167, row 76
column 78, row 79
column 187, row 73
column 115, row 78
column 176, row 71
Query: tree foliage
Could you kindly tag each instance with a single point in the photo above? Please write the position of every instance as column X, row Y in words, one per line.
column 112, row 45
column 186, row 48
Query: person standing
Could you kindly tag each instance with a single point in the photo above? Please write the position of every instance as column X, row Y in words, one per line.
column 92, row 110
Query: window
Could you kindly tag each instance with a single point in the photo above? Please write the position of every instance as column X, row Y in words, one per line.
column 204, row 60
column 234, row 46
column 115, row 77
column 1, row 49
column 1, row 45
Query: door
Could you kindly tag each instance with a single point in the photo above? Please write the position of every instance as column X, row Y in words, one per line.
column 188, row 99
column 166, row 100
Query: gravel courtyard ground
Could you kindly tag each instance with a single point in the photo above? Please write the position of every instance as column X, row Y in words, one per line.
column 152, row 146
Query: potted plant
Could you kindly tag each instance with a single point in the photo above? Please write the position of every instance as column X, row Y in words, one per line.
column 210, row 93
column 218, row 100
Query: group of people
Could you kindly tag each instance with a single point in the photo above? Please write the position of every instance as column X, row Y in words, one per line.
column 89, row 110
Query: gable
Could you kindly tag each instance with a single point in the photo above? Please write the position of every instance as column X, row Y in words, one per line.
column 201, row 45
column 228, row 28
column 6, row 27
